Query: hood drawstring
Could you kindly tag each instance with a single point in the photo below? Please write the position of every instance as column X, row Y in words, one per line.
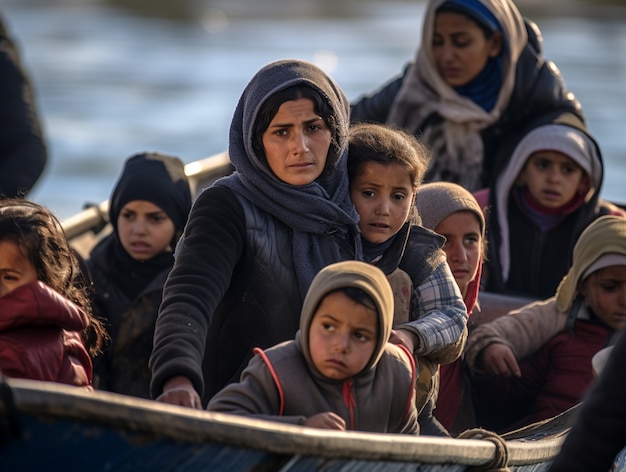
column 348, row 399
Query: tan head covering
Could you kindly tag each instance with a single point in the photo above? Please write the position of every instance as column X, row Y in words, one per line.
column 606, row 235
column 438, row 200
column 364, row 276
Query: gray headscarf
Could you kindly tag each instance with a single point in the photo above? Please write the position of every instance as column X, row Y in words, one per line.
column 313, row 211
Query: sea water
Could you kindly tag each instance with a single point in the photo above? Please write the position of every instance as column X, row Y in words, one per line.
column 112, row 80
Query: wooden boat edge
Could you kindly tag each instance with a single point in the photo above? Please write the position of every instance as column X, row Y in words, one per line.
column 53, row 400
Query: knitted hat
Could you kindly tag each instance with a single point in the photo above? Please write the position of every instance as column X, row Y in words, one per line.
column 437, row 200
column 605, row 235
column 156, row 178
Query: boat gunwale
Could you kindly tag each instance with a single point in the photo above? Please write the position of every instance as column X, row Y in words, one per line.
column 49, row 399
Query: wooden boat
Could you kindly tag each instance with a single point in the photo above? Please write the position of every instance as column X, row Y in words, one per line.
column 49, row 426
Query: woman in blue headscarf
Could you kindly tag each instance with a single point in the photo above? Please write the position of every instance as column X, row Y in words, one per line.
column 478, row 77
column 255, row 239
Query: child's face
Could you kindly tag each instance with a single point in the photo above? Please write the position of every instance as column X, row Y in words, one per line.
column 342, row 336
column 144, row 229
column 463, row 246
column 383, row 195
column 553, row 178
column 15, row 268
column 605, row 291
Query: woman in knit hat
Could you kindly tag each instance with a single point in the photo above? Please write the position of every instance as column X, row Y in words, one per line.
column 543, row 198
column 148, row 211
column 538, row 359
column 478, row 77
column 453, row 212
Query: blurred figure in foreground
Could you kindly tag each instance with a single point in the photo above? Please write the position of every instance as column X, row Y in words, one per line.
column 23, row 153
column 600, row 430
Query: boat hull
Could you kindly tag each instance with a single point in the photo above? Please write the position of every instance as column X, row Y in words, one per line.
column 49, row 426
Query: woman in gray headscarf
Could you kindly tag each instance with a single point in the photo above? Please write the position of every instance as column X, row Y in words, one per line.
column 255, row 240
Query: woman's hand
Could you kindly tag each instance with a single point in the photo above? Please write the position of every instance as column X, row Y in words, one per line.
column 179, row 391
column 498, row 359
column 326, row 420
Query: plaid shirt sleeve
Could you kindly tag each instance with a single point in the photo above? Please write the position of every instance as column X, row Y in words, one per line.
column 438, row 312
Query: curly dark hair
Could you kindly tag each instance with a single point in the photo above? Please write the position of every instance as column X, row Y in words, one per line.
column 387, row 144
column 36, row 231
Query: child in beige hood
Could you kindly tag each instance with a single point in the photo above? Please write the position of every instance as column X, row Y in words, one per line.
column 339, row 372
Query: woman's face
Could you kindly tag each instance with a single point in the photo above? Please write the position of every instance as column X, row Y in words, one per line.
column 463, row 246
column 460, row 48
column 605, row 292
column 296, row 142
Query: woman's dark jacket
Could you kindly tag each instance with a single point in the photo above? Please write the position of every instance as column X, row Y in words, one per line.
column 248, row 286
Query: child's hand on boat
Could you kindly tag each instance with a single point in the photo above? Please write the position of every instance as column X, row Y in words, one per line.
column 326, row 420
column 498, row 359
column 179, row 391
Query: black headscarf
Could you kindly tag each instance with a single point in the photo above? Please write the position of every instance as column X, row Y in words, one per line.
column 159, row 179
column 156, row 178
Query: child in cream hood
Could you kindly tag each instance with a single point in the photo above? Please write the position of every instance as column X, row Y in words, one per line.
column 339, row 372
column 540, row 356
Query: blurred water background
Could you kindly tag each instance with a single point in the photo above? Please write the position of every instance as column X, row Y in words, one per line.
column 116, row 77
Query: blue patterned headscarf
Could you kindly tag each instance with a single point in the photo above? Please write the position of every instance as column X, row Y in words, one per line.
column 314, row 211
column 476, row 10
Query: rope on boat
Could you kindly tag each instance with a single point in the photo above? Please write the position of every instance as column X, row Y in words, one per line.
column 500, row 460
column 9, row 419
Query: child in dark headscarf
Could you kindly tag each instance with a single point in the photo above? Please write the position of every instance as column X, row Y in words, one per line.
column 148, row 211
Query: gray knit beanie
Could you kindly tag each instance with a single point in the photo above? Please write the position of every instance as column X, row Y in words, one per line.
column 438, row 200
